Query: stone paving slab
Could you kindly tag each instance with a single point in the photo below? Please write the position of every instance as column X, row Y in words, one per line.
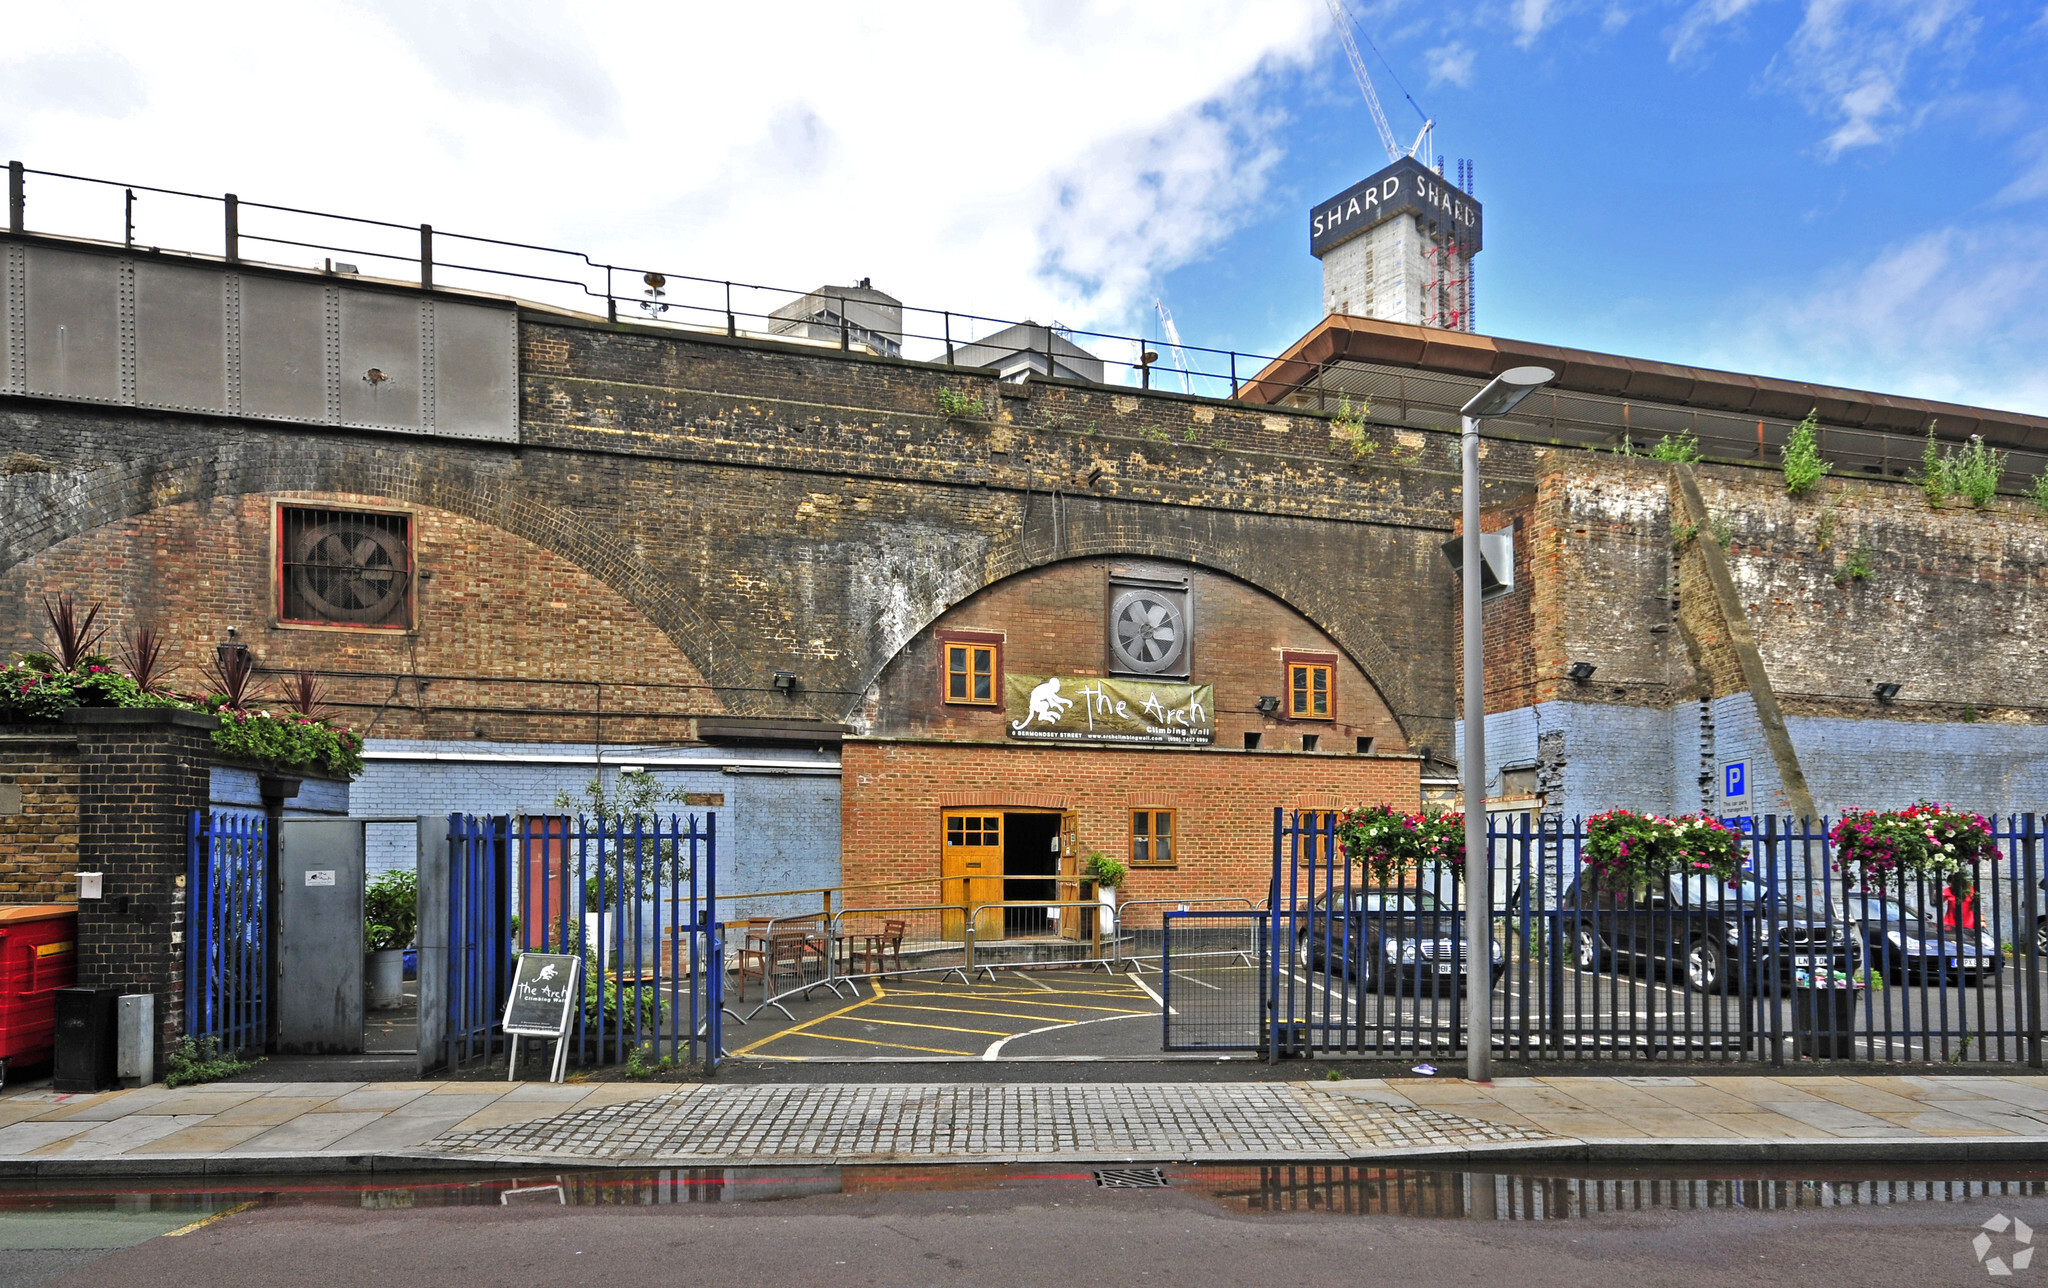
column 275, row 1127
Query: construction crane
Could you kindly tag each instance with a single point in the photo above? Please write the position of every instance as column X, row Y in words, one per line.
column 1180, row 357
column 1372, row 98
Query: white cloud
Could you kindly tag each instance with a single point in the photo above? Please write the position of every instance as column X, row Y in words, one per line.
column 1530, row 17
column 2032, row 183
column 1701, row 19
column 1007, row 156
column 1451, row 64
column 1950, row 314
column 1851, row 59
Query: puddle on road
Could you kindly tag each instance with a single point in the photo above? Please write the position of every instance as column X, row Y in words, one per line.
column 1253, row 1189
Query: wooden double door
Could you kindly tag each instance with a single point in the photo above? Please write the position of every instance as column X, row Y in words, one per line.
column 993, row 856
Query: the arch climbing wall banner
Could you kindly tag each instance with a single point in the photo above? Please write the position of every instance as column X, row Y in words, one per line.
column 1088, row 708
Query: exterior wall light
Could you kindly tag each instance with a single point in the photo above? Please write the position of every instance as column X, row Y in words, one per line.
column 785, row 682
column 1268, row 705
column 1581, row 671
column 1886, row 692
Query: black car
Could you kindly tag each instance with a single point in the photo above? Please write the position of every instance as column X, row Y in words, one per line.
column 1701, row 927
column 1902, row 942
column 1389, row 941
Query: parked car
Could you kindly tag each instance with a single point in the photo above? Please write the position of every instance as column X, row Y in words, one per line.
column 1390, row 941
column 1699, row 927
column 1904, row 942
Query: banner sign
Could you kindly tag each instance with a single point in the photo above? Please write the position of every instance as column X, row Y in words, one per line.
column 1093, row 709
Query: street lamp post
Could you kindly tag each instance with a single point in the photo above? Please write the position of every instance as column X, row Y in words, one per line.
column 1501, row 395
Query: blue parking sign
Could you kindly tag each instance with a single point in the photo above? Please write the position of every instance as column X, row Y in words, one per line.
column 1734, row 780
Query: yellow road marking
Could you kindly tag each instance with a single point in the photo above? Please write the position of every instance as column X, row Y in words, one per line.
column 905, row 1024
column 205, row 1221
column 799, row 1028
column 899, row 1046
column 1014, row 1015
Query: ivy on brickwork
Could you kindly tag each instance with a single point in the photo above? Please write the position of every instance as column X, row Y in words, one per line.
column 69, row 672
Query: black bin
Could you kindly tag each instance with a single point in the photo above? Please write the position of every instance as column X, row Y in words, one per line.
column 85, row 1039
column 1824, row 1022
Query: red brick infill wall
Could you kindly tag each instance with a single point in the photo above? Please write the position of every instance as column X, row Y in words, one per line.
column 892, row 793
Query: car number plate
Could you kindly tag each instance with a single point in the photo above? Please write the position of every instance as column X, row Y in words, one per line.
column 1802, row 960
column 1443, row 968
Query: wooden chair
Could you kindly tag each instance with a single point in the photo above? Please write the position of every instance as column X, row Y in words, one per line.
column 889, row 941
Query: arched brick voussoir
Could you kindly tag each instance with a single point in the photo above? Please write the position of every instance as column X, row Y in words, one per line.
column 41, row 508
column 1329, row 597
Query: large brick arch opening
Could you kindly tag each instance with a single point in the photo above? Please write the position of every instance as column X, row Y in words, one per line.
column 1050, row 617
column 510, row 641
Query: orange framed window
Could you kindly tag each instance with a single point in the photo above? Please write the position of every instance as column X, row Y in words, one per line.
column 973, row 673
column 1311, row 691
column 1152, row 838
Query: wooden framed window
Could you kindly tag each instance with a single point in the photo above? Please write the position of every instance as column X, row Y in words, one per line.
column 1311, row 691
column 345, row 568
column 1152, row 838
column 971, row 672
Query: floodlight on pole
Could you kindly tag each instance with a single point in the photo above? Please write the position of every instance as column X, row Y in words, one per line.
column 1501, row 395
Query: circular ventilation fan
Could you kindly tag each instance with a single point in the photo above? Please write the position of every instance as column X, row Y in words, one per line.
column 351, row 569
column 1147, row 632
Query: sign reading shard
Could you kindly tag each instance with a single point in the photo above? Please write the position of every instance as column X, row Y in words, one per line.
column 1092, row 709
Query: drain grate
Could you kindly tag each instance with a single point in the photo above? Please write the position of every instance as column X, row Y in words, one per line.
column 1130, row 1178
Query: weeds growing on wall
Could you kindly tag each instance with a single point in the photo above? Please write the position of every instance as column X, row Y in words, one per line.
column 2040, row 492
column 1855, row 568
column 961, row 406
column 1350, row 425
column 1971, row 472
column 1681, row 447
column 1801, row 458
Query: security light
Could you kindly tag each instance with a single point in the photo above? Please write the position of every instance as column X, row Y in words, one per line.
column 1581, row 671
column 1886, row 692
column 1506, row 391
column 785, row 681
column 1268, row 705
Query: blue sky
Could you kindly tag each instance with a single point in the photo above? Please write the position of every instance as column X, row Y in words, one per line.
column 1847, row 191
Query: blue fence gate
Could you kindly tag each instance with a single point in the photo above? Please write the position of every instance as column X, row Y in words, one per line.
column 636, row 899
column 227, row 929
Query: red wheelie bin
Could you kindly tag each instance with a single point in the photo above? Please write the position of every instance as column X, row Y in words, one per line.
column 38, row 956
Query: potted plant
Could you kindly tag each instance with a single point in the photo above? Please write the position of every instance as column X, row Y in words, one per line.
column 390, row 916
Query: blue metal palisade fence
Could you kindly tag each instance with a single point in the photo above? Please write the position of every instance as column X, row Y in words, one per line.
column 227, row 974
column 479, row 934
column 635, row 898
column 1786, row 961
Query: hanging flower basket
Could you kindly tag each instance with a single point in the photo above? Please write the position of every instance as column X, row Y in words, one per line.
column 1633, row 852
column 1389, row 845
column 1923, row 842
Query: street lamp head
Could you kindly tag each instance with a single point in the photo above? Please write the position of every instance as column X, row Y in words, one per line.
column 1506, row 391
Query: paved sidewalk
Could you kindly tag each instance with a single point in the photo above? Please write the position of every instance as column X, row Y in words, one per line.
column 254, row 1127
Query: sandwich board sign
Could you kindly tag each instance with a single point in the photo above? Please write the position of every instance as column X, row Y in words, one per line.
column 545, row 990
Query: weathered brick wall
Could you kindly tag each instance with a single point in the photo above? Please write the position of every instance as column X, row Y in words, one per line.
column 141, row 774
column 511, row 642
column 39, row 830
column 1224, row 805
column 768, row 507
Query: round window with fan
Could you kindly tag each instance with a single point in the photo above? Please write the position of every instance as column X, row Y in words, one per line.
column 346, row 568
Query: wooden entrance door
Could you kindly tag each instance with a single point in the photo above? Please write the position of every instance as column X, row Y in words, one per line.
column 1075, row 885
column 971, row 868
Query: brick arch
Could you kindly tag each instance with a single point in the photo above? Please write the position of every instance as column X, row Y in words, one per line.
column 1299, row 588
column 485, row 488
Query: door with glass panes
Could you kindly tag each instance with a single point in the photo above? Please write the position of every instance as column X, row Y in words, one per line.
column 971, row 872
